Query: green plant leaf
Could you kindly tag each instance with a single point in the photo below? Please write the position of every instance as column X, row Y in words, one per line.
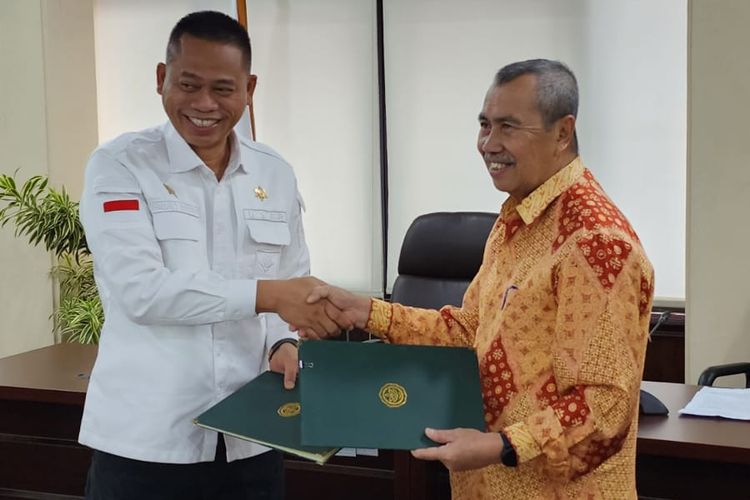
column 44, row 215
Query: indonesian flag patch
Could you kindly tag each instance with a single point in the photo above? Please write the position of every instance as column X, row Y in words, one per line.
column 121, row 205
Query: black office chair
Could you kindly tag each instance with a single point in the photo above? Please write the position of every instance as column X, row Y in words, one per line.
column 710, row 374
column 440, row 255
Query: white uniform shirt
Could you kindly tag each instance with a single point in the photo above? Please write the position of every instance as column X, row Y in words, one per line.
column 176, row 258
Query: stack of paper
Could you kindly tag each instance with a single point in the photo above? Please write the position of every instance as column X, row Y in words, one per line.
column 720, row 402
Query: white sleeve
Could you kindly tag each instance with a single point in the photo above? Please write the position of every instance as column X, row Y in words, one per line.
column 295, row 262
column 128, row 259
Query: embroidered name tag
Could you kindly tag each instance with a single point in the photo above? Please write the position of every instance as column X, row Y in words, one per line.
column 120, row 205
column 271, row 216
column 172, row 205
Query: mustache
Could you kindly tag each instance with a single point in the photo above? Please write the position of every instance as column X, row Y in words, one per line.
column 499, row 159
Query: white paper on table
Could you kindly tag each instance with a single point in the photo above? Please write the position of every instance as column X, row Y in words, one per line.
column 346, row 452
column 367, row 452
column 720, row 402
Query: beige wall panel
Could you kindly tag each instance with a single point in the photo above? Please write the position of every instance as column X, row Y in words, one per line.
column 70, row 77
column 25, row 287
column 48, row 126
column 718, row 268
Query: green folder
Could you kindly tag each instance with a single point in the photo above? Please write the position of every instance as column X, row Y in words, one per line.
column 264, row 412
column 374, row 395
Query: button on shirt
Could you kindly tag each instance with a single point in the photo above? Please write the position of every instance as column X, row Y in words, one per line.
column 177, row 254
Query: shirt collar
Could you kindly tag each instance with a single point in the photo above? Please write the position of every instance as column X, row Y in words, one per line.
column 182, row 157
column 531, row 207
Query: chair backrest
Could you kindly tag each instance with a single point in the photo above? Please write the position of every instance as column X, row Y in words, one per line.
column 710, row 374
column 441, row 254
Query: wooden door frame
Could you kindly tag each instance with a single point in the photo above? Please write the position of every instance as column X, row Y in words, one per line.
column 242, row 19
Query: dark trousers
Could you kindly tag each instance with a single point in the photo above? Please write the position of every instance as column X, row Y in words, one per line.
column 116, row 478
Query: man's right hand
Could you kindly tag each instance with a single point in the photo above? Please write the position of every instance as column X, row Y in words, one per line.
column 355, row 308
column 288, row 298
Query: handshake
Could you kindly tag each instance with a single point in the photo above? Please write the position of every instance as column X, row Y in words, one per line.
column 313, row 308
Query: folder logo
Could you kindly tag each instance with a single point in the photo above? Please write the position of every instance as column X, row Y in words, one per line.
column 289, row 410
column 392, row 395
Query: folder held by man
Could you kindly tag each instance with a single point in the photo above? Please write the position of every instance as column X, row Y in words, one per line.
column 373, row 395
column 264, row 412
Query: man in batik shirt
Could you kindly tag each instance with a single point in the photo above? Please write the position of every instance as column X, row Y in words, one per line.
column 558, row 312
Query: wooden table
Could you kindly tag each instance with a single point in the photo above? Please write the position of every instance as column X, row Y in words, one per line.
column 688, row 457
column 41, row 401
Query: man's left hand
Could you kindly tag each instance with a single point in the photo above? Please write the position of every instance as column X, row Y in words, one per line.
column 462, row 449
column 286, row 360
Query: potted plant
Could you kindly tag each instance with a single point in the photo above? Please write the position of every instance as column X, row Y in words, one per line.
column 49, row 217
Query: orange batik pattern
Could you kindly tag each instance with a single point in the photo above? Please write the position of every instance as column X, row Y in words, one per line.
column 558, row 315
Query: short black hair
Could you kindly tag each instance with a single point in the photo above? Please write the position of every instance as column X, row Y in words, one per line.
column 212, row 26
column 556, row 88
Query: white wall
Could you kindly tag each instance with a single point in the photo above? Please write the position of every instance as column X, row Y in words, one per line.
column 630, row 60
column 317, row 96
column 313, row 103
column 316, row 102
column 634, row 122
column 131, row 39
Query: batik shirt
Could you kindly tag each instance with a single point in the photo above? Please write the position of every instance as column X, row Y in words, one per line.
column 558, row 315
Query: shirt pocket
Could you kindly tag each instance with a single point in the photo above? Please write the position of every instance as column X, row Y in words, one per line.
column 269, row 235
column 178, row 228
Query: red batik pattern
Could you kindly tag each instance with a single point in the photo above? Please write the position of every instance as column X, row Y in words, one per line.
column 605, row 254
column 512, row 226
column 597, row 451
column 554, row 279
column 447, row 317
column 647, row 291
column 571, row 409
column 586, row 207
column 547, row 393
column 497, row 382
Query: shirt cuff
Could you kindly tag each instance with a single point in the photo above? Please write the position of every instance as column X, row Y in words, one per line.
column 381, row 315
column 240, row 296
column 522, row 441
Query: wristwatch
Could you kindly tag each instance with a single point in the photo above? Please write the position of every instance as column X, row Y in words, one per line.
column 508, row 456
column 278, row 344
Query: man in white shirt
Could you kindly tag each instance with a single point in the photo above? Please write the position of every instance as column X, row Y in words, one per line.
column 194, row 232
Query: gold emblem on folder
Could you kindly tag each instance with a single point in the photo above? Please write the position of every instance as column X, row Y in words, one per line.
column 289, row 410
column 260, row 193
column 392, row 395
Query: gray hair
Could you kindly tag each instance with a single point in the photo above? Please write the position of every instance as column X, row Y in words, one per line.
column 556, row 87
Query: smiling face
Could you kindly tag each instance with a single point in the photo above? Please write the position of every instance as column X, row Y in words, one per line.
column 205, row 89
column 519, row 151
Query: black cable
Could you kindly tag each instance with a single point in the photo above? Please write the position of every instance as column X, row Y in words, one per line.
column 663, row 317
column 383, row 144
